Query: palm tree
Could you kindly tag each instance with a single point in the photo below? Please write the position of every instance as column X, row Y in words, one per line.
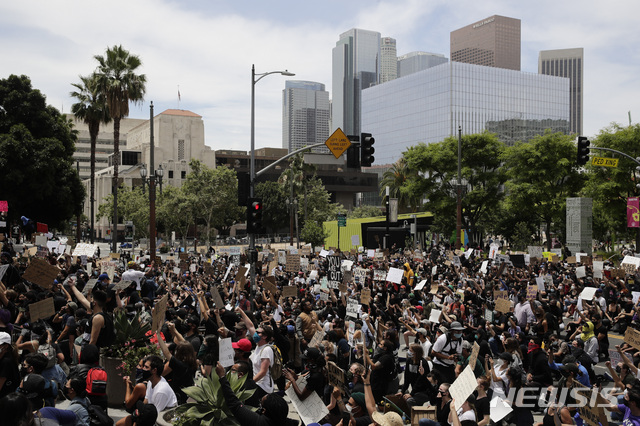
column 120, row 84
column 92, row 109
column 396, row 178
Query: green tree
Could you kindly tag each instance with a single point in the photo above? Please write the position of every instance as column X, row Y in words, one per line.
column 437, row 168
column 542, row 174
column 611, row 186
column 313, row 233
column 37, row 143
column 320, row 208
column 133, row 206
column 396, row 178
column 92, row 109
column 296, row 180
column 176, row 211
column 274, row 199
column 214, row 192
column 117, row 80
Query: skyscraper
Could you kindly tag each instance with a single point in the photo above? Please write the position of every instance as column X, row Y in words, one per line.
column 389, row 59
column 305, row 115
column 417, row 61
column 355, row 66
column 492, row 42
column 567, row 63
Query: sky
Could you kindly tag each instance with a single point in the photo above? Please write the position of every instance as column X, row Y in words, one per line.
column 205, row 49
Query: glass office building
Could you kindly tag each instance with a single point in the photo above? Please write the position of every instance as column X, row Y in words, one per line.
column 305, row 115
column 428, row 106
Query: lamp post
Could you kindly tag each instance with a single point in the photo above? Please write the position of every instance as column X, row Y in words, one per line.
column 252, row 163
column 152, row 181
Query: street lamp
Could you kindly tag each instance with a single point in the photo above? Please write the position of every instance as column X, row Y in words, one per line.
column 152, row 181
column 252, row 164
column 459, row 192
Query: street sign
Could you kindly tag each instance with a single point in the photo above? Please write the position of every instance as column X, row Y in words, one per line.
column 338, row 143
column 605, row 162
column 342, row 220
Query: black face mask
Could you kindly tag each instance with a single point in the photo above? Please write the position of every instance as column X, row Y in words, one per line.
column 144, row 375
column 23, row 371
column 65, row 392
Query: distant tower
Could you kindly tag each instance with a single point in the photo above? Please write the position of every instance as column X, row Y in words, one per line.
column 389, row 59
column 305, row 115
column 492, row 42
column 567, row 63
column 355, row 66
column 418, row 61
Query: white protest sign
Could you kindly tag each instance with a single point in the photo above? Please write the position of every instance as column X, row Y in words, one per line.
column 371, row 253
column 581, row 272
column 636, row 296
column 579, row 257
column 3, row 270
column 540, row 282
column 86, row 249
column 355, row 240
column 226, row 274
column 598, row 267
column 631, row 260
column 435, row 315
column 498, row 409
column 614, row 357
column 464, row 385
column 324, row 253
column 312, row 409
column 395, row 275
column 226, row 352
column 421, row 285
column 346, row 265
column 468, row 253
column 483, row 267
column 588, row 293
column 434, row 270
column 353, row 309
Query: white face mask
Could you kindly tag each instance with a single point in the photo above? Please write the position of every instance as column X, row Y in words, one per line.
column 348, row 407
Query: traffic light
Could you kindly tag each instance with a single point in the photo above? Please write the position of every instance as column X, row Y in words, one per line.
column 366, row 149
column 583, row 150
column 254, row 216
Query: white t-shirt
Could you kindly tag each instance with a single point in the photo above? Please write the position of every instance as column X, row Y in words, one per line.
column 500, row 387
column 161, row 395
column 260, row 353
column 426, row 346
column 133, row 275
column 453, row 346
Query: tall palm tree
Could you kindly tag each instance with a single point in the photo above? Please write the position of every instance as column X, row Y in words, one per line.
column 92, row 109
column 395, row 178
column 118, row 81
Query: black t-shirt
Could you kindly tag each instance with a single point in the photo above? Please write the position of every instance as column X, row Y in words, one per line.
column 9, row 370
column 181, row 377
column 482, row 407
column 316, row 382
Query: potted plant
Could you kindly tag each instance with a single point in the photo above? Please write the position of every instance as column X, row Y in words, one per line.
column 206, row 404
column 132, row 342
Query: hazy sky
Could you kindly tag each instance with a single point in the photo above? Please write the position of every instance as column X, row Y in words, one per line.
column 207, row 47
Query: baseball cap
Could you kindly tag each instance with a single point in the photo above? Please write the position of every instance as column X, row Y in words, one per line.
column 103, row 277
column 466, row 345
column 243, row 344
column 421, row 331
column 145, row 414
column 311, row 353
column 32, row 386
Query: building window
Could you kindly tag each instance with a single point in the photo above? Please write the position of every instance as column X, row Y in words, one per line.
column 170, row 174
column 180, row 149
column 183, row 174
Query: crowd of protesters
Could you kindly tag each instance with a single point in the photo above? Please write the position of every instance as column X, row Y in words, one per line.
column 390, row 347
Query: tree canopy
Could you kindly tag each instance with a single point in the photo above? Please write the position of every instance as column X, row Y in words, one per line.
column 40, row 180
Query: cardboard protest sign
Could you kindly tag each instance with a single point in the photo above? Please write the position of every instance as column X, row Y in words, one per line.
column 292, row 263
column 615, row 357
column 503, row 305
column 365, row 296
column 241, row 272
column 122, row 285
column 225, row 352
column 290, row 291
column 336, row 375
column 500, row 294
column 317, row 339
column 434, row 289
column 270, row 284
column 501, row 269
column 40, row 272
column 159, row 311
column 632, row 337
column 532, row 291
column 592, row 412
column 217, row 299
column 42, row 309
column 334, row 271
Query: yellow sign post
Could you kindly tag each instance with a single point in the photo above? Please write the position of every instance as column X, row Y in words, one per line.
column 338, row 143
column 603, row 161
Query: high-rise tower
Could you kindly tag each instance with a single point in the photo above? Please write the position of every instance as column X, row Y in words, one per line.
column 567, row 63
column 305, row 115
column 389, row 59
column 492, row 42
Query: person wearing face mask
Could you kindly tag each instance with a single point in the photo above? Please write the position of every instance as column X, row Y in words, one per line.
column 262, row 358
column 415, row 376
column 383, row 369
column 539, row 370
column 135, row 392
column 316, row 380
column 357, row 407
column 9, row 373
column 446, row 350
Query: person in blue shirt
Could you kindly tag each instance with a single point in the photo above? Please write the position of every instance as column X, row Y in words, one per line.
column 582, row 375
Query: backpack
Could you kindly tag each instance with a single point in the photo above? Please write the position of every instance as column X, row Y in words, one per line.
column 97, row 381
column 276, row 368
column 97, row 416
column 47, row 350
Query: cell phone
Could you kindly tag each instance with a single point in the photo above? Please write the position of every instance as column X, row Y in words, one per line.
column 346, row 418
